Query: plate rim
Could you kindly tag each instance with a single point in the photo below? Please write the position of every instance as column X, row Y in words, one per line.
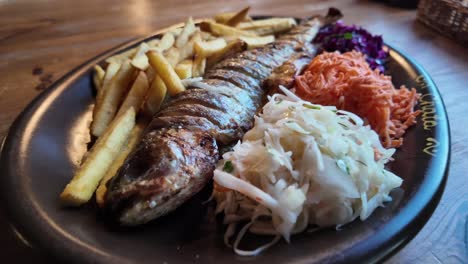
column 17, row 222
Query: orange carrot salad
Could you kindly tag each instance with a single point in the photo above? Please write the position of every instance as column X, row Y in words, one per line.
column 347, row 82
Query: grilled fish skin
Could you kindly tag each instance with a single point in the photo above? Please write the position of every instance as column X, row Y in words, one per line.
column 284, row 74
column 180, row 148
column 172, row 162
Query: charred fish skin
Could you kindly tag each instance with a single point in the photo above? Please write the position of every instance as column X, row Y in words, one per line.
column 285, row 73
column 180, row 148
column 170, row 162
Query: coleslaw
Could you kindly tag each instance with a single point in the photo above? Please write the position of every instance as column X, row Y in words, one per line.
column 301, row 164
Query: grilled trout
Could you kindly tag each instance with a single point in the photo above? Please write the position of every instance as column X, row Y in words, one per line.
column 180, row 148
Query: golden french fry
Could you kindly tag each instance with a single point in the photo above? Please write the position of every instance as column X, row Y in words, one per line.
column 98, row 77
column 176, row 31
column 121, row 57
column 207, row 36
column 207, row 48
column 231, row 48
column 187, row 31
column 268, row 26
column 111, row 70
column 166, row 42
column 136, row 95
column 223, row 30
column 156, row 95
column 175, row 55
column 139, row 60
column 223, row 18
column 128, row 147
column 187, row 51
column 150, row 74
column 199, row 65
column 105, row 110
column 230, row 39
column 141, row 50
column 99, row 159
column 255, row 42
column 238, row 17
column 164, row 69
column 172, row 55
column 153, row 42
column 184, row 69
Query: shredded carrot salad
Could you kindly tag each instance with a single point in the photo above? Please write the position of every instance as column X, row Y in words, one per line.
column 347, row 82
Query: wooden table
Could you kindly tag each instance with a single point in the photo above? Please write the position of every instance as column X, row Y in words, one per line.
column 40, row 41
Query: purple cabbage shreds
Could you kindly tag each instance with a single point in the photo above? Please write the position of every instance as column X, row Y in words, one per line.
column 344, row 38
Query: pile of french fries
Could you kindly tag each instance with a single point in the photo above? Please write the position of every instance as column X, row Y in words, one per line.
column 133, row 85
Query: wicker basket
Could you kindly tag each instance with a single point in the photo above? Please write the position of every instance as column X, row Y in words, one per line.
column 449, row 17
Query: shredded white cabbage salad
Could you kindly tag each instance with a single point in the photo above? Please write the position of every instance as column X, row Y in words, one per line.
column 301, row 164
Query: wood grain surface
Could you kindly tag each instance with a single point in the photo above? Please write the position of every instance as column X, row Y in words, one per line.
column 40, row 41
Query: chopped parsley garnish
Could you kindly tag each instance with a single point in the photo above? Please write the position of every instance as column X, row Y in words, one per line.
column 228, row 167
column 348, row 35
column 311, row 106
column 343, row 166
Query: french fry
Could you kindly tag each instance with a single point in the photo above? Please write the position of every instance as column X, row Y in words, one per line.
column 98, row 77
column 136, row 95
column 162, row 44
column 105, row 110
column 223, row 18
column 150, row 74
column 156, row 95
column 223, row 30
column 99, row 159
column 187, row 31
column 128, row 147
column 176, row 31
column 173, row 56
column 207, row 48
column 187, row 50
column 254, row 42
column 121, row 57
column 166, row 42
column 111, row 70
column 139, row 60
column 268, row 26
column 199, row 65
column 230, row 39
column 141, row 50
column 231, row 48
column 164, row 69
column 184, row 69
column 153, row 42
column 238, row 17
column 207, row 36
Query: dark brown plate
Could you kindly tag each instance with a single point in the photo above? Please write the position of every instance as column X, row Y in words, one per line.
column 49, row 137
